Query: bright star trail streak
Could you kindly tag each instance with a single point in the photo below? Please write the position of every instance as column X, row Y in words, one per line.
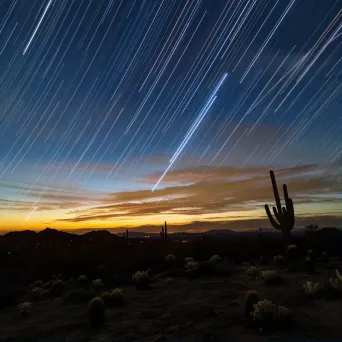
column 37, row 27
column 193, row 128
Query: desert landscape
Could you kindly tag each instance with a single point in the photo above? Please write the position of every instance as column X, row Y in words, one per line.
column 101, row 287
column 207, row 303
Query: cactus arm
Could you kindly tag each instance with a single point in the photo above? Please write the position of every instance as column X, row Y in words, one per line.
column 286, row 194
column 289, row 208
column 274, row 224
column 290, row 217
column 275, row 191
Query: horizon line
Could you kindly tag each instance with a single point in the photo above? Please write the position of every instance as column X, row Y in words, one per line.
column 190, row 231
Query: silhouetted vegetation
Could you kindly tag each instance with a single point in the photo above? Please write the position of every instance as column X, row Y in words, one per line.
column 96, row 312
column 163, row 232
column 284, row 215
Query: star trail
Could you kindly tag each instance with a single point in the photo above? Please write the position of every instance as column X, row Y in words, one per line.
column 101, row 99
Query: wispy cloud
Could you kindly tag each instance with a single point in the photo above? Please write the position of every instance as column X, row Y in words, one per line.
column 215, row 193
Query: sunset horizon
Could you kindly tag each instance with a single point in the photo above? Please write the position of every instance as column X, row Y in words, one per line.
column 242, row 211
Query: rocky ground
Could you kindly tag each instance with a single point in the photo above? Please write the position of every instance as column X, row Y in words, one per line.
column 209, row 308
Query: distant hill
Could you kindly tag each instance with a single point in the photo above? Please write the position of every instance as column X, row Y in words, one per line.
column 50, row 235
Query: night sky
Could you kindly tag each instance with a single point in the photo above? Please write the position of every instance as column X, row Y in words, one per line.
column 120, row 113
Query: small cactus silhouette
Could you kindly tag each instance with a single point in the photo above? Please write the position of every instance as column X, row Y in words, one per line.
column 163, row 232
column 252, row 298
column 125, row 235
column 96, row 312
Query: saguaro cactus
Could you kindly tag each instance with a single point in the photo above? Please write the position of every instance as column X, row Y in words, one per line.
column 284, row 215
column 163, row 233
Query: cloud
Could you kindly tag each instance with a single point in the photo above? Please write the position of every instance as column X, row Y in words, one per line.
column 203, row 226
column 219, row 191
column 46, row 197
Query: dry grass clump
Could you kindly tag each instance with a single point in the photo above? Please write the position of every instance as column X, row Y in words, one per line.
column 270, row 277
column 113, row 298
column 24, row 308
column 253, row 272
column 142, row 280
column 269, row 315
column 313, row 289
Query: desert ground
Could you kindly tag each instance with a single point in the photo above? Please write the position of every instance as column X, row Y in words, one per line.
column 176, row 307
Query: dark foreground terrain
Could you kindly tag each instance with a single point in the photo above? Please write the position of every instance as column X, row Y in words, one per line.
column 210, row 307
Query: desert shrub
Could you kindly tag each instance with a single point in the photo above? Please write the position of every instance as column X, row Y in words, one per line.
column 24, row 308
column 79, row 296
column 37, row 294
column 48, row 284
column 310, row 253
column 169, row 280
column 215, row 257
column 310, row 265
column 170, row 257
column 171, row 261
column 56, row 277
column 268, row 314
column 113, row 298
column 270, row 277
column 96, row 312
column 313, row 289
column 279, row 260
column 195, row 269
column 142, row 280
column 57, row 288
column 97, row 283
column 188, row 259
column 82, row 280
column 252, row 298
column 38, row 283
column 253, row 272
column 191, row 266
column 336, row 283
